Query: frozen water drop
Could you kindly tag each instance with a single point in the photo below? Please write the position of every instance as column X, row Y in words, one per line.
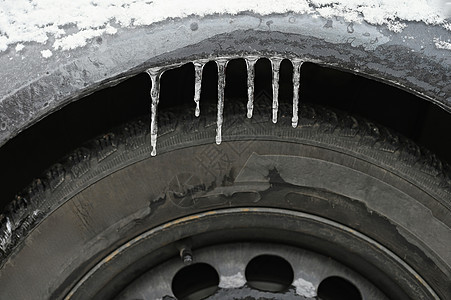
column 275, row 63
column 153, row 143
column 250, row 63
column 155, row 75
column 222, row 63
column 297, row 63
column 198, row 68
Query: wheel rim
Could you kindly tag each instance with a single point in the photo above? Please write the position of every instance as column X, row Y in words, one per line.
column 255, row 270
column 303, row 240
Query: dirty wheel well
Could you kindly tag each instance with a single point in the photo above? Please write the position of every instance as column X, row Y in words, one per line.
column 82, row 120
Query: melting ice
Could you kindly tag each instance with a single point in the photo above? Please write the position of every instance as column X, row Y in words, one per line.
column 155, row 75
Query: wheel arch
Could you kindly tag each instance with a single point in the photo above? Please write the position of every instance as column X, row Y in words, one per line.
column 36, row 86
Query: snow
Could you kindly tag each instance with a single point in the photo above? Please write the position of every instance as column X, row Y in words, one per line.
column 46, row 53
column 304, row 288
column 79, row 39
column 439, row 44
column 19, row 47
column 65, row 25
column 233, row 281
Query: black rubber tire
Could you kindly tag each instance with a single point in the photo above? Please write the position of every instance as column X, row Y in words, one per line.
column 332, row 165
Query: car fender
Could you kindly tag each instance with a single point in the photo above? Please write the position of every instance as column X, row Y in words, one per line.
column 416, row 59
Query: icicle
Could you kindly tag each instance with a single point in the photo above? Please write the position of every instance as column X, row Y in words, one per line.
column 297, row 63
column 250, row 62
column 275, row 62
column 155, row 95
column 222, row 63
column 198, row 68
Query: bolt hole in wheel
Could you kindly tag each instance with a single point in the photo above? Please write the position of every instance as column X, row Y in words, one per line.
column 337, row 288
column 194, row 282
column 269, row 273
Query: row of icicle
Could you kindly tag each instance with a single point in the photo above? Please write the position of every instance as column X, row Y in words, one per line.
column 155, row 75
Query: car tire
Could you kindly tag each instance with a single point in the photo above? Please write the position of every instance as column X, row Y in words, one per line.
column 380, row 204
